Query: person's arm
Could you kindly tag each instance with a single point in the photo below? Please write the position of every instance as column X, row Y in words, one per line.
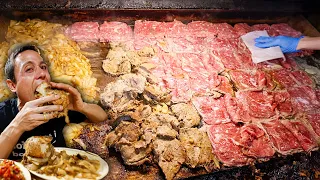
column 309, row 43
column 28, row 118
column 92, row 111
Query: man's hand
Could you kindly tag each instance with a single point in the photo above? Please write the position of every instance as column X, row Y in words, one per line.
column 287, row 44
column 31, row 115
column 76, row 102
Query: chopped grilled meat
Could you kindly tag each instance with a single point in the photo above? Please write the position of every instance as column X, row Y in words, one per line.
column 187, row 115
column 198, row 149
column 170, row 156
column 154, row 94
column 166, row 132
column 120, row 95
column 120, row 60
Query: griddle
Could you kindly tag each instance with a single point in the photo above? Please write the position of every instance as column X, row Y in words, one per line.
column 296, row 166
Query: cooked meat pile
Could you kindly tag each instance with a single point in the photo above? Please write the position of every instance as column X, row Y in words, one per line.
column 88, row 136
column 121, row 60
column 38, row 151
column 148, row 126
column 44, row 89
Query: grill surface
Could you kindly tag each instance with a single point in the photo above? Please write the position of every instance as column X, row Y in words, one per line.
column 297, row 166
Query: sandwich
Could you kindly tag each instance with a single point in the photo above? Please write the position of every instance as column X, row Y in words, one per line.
column 38, row 152
column 45, row 89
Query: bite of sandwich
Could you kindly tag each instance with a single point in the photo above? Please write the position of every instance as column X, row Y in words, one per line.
column 45, row 89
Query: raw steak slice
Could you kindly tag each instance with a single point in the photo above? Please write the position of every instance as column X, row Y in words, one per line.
column 305, row 138
column 270, row 65
column 284, row 78
column 257, row 105
column 248, row 80
column 225, row 86
column 260, row 27
column 145, row 28
column 213, row 110
column 140, row 42
column 225, row 31
column 201, row 29
column 314, row 120
column 84, row 31
column 304, row 99
column 181, row 91
column 282, row 139
column 255, row 143
column 115, row 31
column 186, row 44
column 284, row 104
column 212, row 63
column 242, row 28
column 285, row 30
column 175, row 29
column 222, row 139
column 302, row 78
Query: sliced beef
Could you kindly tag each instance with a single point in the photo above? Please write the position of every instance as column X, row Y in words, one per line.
column 84, row 31
column 222, row 137
column 115, row 32
column 213, row 110
column 306, row 138
column 255, row 142
column 285, row 30
column 282, row 139
column 248, row 80
column 304, row 99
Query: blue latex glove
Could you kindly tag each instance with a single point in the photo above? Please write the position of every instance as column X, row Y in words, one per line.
column 286, row 43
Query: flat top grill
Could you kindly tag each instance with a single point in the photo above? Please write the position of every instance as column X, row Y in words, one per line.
column 297, row 166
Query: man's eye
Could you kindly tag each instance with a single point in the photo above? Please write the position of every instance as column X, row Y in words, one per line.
column 44, row 67
column 29, row 69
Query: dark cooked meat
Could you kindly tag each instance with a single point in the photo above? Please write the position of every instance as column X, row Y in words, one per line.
column 93, row 138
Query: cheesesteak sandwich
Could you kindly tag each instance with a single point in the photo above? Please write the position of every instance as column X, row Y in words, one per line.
column 38, row 151
column 44, row 89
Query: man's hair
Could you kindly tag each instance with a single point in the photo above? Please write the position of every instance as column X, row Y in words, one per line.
column 13, row 52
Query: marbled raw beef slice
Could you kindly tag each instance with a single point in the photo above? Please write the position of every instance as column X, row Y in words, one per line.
column 307, row 139
column 314, row 120
column 201, row 29
column 248, row 80
column 145, row 28
column 84, row 31
column 284, row 103
column 115, row 32
column 255, row 142
column 285, row 30
column 304, row 99
column 222, row 137
column 282, row 139
column 213, row 110
column 242, row 28
column 256, row 105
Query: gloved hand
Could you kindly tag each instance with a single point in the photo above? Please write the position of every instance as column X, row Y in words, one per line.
column 286, row 43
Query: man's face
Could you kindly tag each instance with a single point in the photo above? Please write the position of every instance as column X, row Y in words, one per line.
column 30, row 71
